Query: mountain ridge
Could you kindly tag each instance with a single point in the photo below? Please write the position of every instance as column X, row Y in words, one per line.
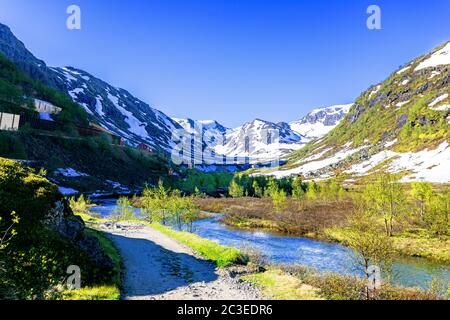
column 290, row 135
column 114, row 108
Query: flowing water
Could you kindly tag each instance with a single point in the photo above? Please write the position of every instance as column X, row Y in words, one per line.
column 320, row 255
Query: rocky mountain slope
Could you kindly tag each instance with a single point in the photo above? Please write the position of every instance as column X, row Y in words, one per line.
column 114, row 108
column 401, row 125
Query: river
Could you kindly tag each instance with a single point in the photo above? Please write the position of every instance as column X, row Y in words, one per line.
column 320, row 255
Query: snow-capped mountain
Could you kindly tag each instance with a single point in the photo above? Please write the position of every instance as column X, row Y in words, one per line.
column 210, row 132
column 319, row 122
column 194, row 126
column 113, row 108
column 258, row 139
column 253, row 139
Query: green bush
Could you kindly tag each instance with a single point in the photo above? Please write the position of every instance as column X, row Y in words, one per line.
column 29, row 195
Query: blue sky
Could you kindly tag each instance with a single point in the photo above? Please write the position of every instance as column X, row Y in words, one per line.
column 232, row 60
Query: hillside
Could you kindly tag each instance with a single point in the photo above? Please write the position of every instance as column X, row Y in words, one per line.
column 113, row 108
column 40, row 237
column 105, row 166
column 401, row 125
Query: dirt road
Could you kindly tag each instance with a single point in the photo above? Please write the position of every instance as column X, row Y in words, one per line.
column 158, row 267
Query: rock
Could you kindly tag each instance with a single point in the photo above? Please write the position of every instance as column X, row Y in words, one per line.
column 62, row 220
column 422, row 88
column 402, row 120
column 358, row 111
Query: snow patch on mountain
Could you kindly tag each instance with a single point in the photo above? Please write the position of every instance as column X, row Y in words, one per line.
column 427, row 165
column 313, row 166
column 440, row 57
column 438, row 99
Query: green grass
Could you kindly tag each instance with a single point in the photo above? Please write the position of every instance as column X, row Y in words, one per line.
column 275, row 284
column 223, row 256
column 93, row 293
column 109, row 291
column 90, row 218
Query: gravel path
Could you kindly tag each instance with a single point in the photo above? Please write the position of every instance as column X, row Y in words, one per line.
column 158, row 267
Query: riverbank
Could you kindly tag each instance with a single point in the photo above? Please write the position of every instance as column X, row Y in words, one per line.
column 320, row 220
column 411, row 243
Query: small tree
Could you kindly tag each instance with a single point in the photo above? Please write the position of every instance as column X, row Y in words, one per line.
column 80, row 205
column 386, row 198
column 124, row 210
column 272, row 187
column 182, row 209
column 162, row 206
column 257, row 189
column 437, row 216
column 235, row 190
column 371, row 247
column 155, row 204
column 297, row 188
column 279, row 200
column 421, row 192
column 312, row 190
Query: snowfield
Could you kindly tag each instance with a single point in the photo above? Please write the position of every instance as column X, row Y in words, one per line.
column 313, row 166
column 438, row 99
column 441, row 57
column 136, row 126
column 427, row 165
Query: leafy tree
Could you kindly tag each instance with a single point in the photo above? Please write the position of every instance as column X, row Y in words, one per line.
column 162, row 206
column 209, row 183
column 80, row 205
column 257, row 189
column 154, row 204
column 370, row 246
column 312, row 191
column 297, row 188
column 272, row 187
column 235, row 190
column 124, row 210
column 386, row 198
column 279, row 200
column 437, row 216
column 182, row 209
column 421, row 192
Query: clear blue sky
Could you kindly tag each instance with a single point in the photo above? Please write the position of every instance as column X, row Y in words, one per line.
column 232, row 60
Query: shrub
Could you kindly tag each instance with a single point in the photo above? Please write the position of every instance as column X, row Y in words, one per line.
column 80, row 205
column 124, row 210
column 29, row 195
